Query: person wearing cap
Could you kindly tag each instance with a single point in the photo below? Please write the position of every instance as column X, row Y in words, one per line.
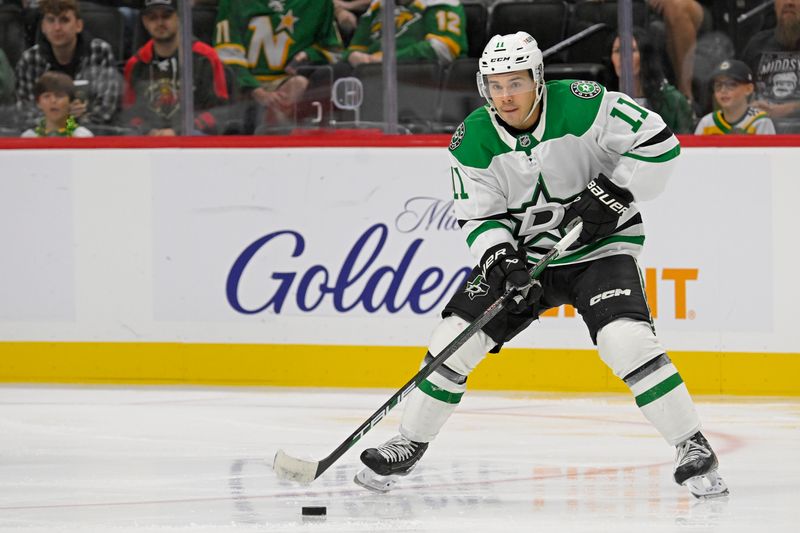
column 733, row 86
column 152, row 77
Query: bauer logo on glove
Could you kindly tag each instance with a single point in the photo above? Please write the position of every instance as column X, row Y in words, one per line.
column 603, row 196
column 600, row 208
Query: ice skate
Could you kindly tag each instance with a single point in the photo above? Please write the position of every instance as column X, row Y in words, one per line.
column 696, row 468
column 385, row 464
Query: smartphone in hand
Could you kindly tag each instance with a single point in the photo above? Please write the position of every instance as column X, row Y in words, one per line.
column 81, row 90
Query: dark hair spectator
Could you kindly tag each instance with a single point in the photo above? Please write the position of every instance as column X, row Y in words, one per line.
column 54, row 92
column 153, row 77
column 650, row 85
column 62, row 47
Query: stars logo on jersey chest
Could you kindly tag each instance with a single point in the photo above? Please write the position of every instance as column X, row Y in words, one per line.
column 539, row 218
column 585, row 89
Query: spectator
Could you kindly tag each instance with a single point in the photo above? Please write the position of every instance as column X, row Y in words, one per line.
column 64, row 48
column 774, row 57
column 682, row 19
column 733, row 87
column 267, row 42
column 6, row 81
column 152, row 76
column 55, row 92
column 347, row 13
column 650, row 86
column 426, row 29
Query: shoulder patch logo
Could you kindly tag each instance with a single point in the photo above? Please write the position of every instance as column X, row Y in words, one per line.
column 458, row 136
column 585, row 89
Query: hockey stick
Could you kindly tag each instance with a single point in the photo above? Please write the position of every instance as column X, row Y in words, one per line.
column 305, row 471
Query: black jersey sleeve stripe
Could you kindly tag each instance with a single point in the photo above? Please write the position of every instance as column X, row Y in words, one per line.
column 659, row 137
column 635, row 219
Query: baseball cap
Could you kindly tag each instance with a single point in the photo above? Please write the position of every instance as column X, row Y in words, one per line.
column 168, row 4
column 734, row 69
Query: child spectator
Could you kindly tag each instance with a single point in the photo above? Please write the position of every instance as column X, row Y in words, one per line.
column 733, row 87
column 152, row 77
column 54, row 93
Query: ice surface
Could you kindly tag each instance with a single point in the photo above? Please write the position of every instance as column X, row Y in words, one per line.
column 108, row 459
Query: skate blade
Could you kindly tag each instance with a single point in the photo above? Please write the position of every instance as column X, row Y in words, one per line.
column 375, row 482
column 708, row 486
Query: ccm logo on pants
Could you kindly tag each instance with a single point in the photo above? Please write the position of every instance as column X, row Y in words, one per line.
column 609, row 294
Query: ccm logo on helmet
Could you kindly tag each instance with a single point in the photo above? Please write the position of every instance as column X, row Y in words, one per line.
column 609, row 294
column 499, row 59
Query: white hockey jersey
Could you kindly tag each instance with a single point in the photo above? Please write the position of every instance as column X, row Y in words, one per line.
column 516, row 187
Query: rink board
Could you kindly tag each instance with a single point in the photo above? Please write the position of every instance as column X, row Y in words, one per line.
column 326, row 266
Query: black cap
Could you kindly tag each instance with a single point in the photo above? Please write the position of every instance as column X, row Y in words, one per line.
column 166, row 4
column 734, row 69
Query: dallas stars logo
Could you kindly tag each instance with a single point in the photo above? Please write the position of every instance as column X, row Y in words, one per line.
column 585, row 89
column 540, row 217
column 476, row 288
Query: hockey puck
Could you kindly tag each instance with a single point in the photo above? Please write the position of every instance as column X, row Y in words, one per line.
column 315, row 511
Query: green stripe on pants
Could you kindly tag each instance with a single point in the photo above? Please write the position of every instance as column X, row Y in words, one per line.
column 439, row 393
column 659, row 390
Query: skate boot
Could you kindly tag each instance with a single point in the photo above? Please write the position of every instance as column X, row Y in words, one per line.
column 696, row 467
column 394, row 458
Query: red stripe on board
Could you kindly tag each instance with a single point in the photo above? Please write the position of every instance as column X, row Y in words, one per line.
column 342, row 138
column 360, row 138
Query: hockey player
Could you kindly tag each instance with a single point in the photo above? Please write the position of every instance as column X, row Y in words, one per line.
column 522, row 168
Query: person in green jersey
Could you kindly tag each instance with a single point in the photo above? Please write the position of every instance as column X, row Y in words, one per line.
column 523, row 167
column 425, row 29
column 266, row 42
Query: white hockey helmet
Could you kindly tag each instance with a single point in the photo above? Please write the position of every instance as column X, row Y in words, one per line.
column 511, row 53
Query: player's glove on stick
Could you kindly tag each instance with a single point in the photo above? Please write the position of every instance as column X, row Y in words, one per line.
column 600, row 206
column 503, row 268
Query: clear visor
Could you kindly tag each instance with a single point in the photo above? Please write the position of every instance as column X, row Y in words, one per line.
column 509, row 84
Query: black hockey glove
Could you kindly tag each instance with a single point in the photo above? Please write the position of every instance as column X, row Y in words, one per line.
column 503, row 268
column 600, row 207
